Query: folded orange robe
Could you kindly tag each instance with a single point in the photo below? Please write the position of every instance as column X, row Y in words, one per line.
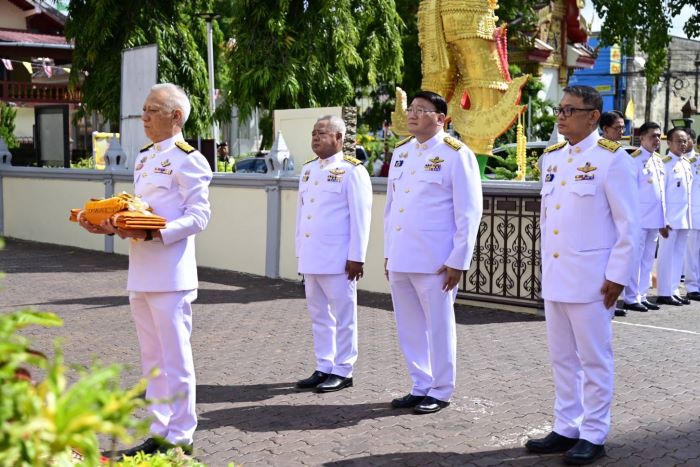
column 124, row 211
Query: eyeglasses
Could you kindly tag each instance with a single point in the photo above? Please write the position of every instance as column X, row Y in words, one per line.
column 568, row 111
column 320, row 133
column 419, row 111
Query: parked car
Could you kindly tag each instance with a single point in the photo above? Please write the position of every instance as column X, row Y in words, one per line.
column 251, row 165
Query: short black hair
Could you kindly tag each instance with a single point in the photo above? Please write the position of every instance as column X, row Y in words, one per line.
column 691, row 133
column 589, row 95
column 436, row 99
column 609, row 118
column 222, row 144
column 648, row 126
column 674, row 130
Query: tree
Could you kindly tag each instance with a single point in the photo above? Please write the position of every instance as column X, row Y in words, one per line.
column 645, row 25
column 101, row 29
column 7, row 125
column 299, row 53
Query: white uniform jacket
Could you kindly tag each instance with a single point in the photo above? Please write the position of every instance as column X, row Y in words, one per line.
column 651, row 180
column 433, row 206
column 589, row 219
column 173, row 178
column 694, row 162
column 334, row 212
column 679, row 181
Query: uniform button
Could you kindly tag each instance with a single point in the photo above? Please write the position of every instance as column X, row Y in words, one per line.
column 309, row 216
column 578, row 149
column 307, row 235
column 557, row 206
column 563, row 182
column 651, row 181
column 144, row 174
column 407, row 190
column 556, row 255
column 311, row 200
column 556, row 232
column 401, row 210
column 398, row 228
column 316, row 182
column 570, row 159
column 157, row 147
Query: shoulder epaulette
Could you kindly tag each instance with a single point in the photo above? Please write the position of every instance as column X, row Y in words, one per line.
column 352, row 160
column 636, row 153
column 453, row 143
column 403, row 141
column 693, row 160
column 657, row 155
column 554, row 147
column 146, row 147
column 666, row 159
column 311, row 160
column 185, row 147
column 611, row 146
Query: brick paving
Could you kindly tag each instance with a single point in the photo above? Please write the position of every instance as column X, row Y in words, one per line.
column 252, row 340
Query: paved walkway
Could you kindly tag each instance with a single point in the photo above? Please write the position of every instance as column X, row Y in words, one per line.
column 252, row 340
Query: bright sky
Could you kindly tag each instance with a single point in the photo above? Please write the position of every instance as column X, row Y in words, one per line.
column 676, row 30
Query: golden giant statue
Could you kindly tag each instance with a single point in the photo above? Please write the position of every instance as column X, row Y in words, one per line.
column 464, row 58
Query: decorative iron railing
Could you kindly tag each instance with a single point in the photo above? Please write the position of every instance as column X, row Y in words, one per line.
column 18, row 91
column 506, row 266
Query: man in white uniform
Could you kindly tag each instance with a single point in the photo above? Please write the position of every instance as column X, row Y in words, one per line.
column 334, row 210
column 651, row 180
column 431, row 219
column 589, row 225
column 679, row 181
column 173, row 178
column 692, row 251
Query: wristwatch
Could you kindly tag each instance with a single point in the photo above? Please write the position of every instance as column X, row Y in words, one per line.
column 149, row 236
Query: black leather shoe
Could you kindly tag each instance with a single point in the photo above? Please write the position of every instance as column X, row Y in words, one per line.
column 666, row 300
column 312, row 381
column 584, row 453
column 334, row 383
column 635, row 307
column 683, row 300
column 430, row 405
column 553, row 442
column 620, row 312
column 409, row 400
column 650, row 306
column 693, row 296
column 155, row 445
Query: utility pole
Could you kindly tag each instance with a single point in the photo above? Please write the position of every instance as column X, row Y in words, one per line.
column 668, row 91
column 697, row 75
column 209, row 17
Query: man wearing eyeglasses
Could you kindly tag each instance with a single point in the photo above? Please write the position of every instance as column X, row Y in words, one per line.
column 334, row 210
column 650, row 174
column 432, row 214
column 612, row 124
column 674, row 237
column 589, row 228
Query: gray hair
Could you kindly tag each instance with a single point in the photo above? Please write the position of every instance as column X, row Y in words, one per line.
column 177, row 99
column 334, row 123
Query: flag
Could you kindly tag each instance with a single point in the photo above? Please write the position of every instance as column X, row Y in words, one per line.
column 28, row 66
column 629, row 110
column 7, row 63
column 47, row 70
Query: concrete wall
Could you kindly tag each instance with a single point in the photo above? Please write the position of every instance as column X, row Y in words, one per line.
column 296, row 126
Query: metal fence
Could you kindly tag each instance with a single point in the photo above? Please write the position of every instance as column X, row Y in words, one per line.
column 506, row 266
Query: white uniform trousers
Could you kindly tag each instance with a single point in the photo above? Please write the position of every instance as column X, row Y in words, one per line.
column 692, row 262
column 164, row 326
column 636, row 290
column 332, row 303
column 425, row 322
column 670, row 261
column 579, row 337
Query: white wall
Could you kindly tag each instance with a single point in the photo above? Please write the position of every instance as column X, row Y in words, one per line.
column 11, row 17
column 296, row 126
column 24, row 122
